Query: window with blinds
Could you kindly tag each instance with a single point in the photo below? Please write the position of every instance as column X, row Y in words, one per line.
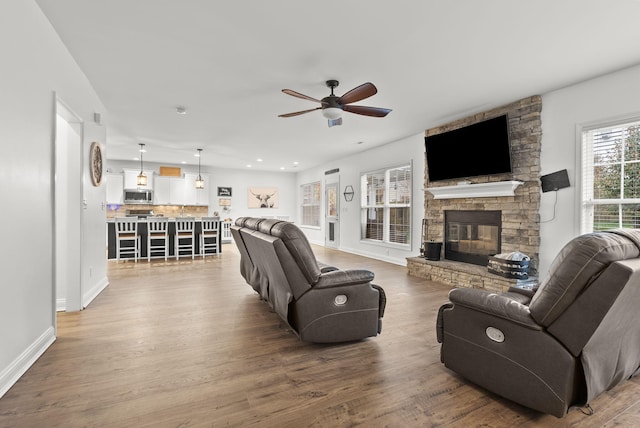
column 310, row 204
column 386, row 205
column 611, row 177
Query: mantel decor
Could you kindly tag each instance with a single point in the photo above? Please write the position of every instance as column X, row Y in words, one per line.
column 348, row 193
column 477, row 190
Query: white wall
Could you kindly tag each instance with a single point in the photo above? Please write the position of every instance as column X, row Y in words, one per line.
column 240, row 180
column 389, row 155
column 564, row 111
column 35, row 64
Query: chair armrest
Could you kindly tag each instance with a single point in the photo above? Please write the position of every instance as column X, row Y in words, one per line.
column 339, row 278
column 493, row 304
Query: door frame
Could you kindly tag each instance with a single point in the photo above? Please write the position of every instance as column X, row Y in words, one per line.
column 67, row 212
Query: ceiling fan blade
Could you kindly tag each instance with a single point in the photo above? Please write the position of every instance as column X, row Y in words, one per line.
column 296, row 113
column 367, row 111
column 359, row 93
column 299, row 95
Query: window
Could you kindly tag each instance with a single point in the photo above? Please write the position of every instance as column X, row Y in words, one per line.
column 386, row 205
column 611, row 177
column 311, row 204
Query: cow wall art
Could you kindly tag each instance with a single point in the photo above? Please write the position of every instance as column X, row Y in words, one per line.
column 262, row 197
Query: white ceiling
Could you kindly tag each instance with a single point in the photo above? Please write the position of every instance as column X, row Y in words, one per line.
column 227, row 62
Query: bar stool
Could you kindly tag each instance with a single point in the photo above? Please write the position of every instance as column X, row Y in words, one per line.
column 185, row 236
column 157, row 237
column 210, row 236
column 127, row 238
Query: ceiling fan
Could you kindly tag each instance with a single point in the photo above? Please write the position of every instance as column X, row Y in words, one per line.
column 333, row 105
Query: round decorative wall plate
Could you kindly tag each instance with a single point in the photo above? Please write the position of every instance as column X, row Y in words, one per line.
column 95, row 164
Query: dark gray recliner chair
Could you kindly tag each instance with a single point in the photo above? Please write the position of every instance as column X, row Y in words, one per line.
column 558, row 347
column 319, row 303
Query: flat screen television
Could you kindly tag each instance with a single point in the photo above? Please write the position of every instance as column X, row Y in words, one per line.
column 474, row 150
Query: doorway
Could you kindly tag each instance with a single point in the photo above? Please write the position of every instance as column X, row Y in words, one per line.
column 332, row 210
column 67, row 209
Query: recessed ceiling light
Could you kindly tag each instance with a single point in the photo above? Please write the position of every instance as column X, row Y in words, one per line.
column 248, row 166
column 181, row 110
column 296, row 163
column 282, row 168
column 197, row 155
column 183, row 162
column 259, row 160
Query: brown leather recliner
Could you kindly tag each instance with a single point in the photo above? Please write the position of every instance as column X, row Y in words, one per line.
column 558, row 347
column 320, row 303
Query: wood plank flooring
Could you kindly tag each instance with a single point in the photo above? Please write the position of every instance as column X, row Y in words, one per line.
column 189, row 344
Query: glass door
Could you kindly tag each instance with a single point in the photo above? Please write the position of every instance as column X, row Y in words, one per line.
column 332, row 209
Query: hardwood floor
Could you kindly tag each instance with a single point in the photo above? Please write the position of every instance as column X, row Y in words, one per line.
column 189, row 344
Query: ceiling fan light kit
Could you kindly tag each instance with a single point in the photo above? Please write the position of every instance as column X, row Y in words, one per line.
column 333, row 106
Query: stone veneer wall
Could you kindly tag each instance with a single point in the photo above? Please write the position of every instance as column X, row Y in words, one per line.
column 520, row 213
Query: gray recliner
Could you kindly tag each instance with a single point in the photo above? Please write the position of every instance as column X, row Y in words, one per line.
column 319, row 303
column 561, row 345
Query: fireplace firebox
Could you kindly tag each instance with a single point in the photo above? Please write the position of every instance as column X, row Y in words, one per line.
column 472, row 236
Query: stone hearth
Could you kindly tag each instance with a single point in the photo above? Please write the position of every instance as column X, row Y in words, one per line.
column 459, row 274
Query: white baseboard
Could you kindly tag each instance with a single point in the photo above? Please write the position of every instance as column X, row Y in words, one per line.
column 94, row 291
column 10, row 375
column 61, row 305
column 395, row 261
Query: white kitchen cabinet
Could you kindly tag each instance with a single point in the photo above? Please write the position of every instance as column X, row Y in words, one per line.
column 193, row 196
column 176, row 191
column 131, row 179
column 115, row 188
column 161, row 190
column 180, row 191
column 168, row 190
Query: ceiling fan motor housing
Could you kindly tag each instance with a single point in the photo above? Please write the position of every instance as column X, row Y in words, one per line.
column 331, row 107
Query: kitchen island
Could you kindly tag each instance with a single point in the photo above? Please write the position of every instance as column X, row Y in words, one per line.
column 142, row 232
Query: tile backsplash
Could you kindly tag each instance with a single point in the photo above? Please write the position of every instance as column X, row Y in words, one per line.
column 114, row 210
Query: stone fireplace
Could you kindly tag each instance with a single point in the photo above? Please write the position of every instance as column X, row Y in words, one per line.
column 518, row 228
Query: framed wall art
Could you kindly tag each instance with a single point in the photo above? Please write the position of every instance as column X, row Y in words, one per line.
column 224, row 191
column 262, row 197
column 95, row 164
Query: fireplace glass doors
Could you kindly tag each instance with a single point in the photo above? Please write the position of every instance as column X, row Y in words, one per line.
column 472, row 236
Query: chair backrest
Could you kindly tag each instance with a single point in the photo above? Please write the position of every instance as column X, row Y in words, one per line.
column 577, row 265
column 157, row 224
column 210, row 224
column 127, row 225
column 185, row 224
column 298, row 245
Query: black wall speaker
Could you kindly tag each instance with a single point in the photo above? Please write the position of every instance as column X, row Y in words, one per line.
column 555, row 181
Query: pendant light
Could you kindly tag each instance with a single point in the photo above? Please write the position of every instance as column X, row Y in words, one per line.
column 142, row 179
column 199, row 180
